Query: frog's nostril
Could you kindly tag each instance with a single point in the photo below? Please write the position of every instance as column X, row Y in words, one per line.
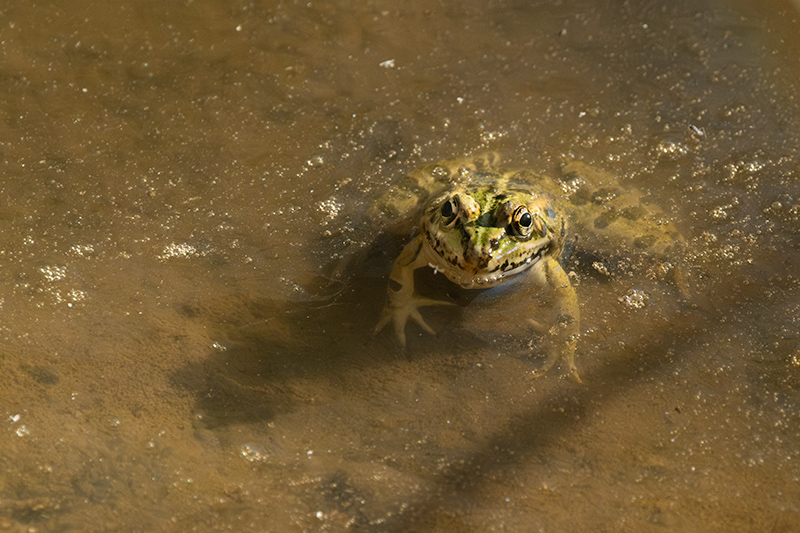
column 494, row 243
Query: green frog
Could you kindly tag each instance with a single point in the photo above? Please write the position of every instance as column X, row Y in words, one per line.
column 482, row 226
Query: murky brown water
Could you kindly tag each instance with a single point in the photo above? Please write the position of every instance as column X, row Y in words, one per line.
column 177, row 176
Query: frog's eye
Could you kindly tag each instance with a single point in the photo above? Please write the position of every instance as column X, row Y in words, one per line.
column 449, row 211
column 522, row 223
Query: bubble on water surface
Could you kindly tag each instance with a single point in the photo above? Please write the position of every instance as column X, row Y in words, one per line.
column 253, row 453
column 316, row 161
column 671, row 149
column 81, row 249
column 600, row 267
column 69, row 297
column 635, row 299
column 54, row 273
column 331, row 207
column 178, row 250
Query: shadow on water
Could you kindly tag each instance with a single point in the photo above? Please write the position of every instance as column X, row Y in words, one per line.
column 277, row 357
column 533, row 430
column 271, row 354
column 562, row 408
column 275, row 352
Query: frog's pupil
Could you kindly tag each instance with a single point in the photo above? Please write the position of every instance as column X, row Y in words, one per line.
column 525, row 220
column 447, row 209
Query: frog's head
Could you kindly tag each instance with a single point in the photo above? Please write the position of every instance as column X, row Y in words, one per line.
column 479, row 236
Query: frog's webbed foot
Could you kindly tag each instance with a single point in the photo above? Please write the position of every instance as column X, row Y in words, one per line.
column 400, row 312
column 563, row 348
column 402, row 303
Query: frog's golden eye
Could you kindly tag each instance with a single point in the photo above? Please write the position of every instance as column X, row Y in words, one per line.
column 521, row 222
column 449, row 212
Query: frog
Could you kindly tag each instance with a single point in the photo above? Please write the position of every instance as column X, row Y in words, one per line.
column 483, row 226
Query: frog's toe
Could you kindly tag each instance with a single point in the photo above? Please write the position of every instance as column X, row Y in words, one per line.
column 548, row 364
column 538, row 327
column 553, row 357
column 386, row 316
column 573, row 372
column 400, row 316
column 417, row 317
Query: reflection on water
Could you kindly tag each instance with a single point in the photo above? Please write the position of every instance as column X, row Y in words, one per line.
column 190, row 272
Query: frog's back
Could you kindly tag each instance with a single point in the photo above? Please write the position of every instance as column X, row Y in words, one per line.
column 609, row 220
column 408, row 197
column 616, row 219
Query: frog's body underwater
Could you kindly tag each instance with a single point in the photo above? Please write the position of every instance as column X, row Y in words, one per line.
column 481, row 227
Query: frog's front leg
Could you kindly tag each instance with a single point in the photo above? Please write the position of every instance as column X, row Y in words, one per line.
column 401, row 302
column 567, row 319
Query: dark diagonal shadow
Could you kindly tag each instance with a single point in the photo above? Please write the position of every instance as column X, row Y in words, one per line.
column 270, row 355
column 538, row 426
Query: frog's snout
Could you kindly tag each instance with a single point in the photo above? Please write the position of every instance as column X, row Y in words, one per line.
column 478, row 258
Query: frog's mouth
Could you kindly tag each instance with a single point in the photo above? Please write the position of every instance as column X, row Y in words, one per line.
column 480, row 271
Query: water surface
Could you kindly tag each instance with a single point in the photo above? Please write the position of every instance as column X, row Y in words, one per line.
column 190, row 275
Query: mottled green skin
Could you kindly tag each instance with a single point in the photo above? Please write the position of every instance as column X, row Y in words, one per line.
column 481, row 249
column 500, row 225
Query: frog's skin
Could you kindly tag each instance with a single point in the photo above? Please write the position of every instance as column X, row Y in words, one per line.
column 481, row 226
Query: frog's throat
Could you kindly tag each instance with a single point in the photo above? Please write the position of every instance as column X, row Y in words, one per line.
column 470, row 275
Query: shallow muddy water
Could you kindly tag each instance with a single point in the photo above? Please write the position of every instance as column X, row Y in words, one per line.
column 190, row 273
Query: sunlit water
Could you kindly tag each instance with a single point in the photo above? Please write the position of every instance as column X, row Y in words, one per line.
column 190, row 275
